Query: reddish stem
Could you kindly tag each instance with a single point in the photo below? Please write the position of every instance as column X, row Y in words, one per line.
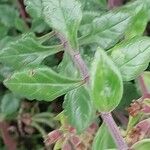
column 23, row 13
column 114, row 3
column 8, row 140
column 113, row 129
column 144, row 90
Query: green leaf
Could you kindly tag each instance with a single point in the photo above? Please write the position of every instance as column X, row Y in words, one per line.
column 64, row 16
column 103, row 140
column 9, row 104
column 26, row 51
column 34, row 8
column 106, row 82
column 146, row 78
column 3, row 31
column 40, row 83
column 139, row 21
column 66, row 67
column 132, row 57
column 8, row 14
column 78, row 108
column 107, row 29
column 142, row 145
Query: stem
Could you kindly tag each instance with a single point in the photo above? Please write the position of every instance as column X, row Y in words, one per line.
column 108, row 119
column 144, row 90
column 113, row 129
column 39, row 128
column 46, row 37
column 114, row 3
column 8, row 140
column 23, row 14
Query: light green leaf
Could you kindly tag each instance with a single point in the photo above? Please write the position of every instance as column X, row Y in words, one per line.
column 139, row 21
column 132, row 57
column 34, row 8
column 40, row 83
column 107, row 29
column 64, row 16
column 26, row 51
column 106, row 82
column 103, row 140
column 78, row 108
column 141, row 145
column 9, row 104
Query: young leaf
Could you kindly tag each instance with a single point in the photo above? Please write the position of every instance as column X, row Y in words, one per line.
column 142, row 145
column 106, row 82
column 64, row 16
column 26, row 51
column 78, row 107
column 107, row 30
column 9, row 104
column 103, row 139
column 34, row 8
column 132, row 57
column 40, row 83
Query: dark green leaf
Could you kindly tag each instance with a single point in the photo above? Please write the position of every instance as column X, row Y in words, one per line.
column 107, row 86
column 103, row 140
column 128, row 96
column 132, row 57
column 78, row 108
column 8, row 14
column 3, row 31
column 40, row 83
column 26, row 51
column 64, row 16
column 9, row 104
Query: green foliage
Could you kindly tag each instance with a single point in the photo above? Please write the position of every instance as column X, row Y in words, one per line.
column 103, row 139
column 26, row 51
column 31, row 48
column 132, row 57
column 78, row 107
column 40, row 83
column 34, row 8
column 142, row 145
column 107, row 29
column 106, row 86
column 9, row 105
column 64, row 16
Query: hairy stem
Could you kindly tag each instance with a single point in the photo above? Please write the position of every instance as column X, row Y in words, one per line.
column 114, row 3
column 113, row 129
column 144, row 90
column 107, row 118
